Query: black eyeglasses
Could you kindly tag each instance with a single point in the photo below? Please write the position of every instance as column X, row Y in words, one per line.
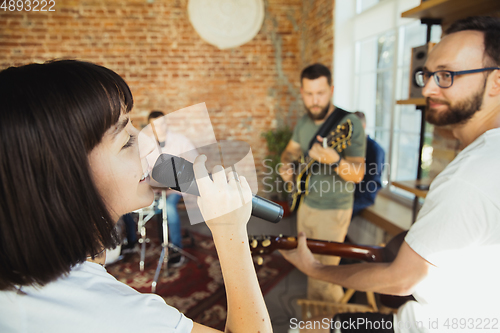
column 444, row 79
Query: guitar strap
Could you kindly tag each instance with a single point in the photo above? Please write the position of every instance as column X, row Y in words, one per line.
column 332, row 121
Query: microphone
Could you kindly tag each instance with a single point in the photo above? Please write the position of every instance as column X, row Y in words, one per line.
column 177, row 173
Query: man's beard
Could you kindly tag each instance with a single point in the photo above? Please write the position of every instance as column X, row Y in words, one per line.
column 319, row 116
column 456, row 114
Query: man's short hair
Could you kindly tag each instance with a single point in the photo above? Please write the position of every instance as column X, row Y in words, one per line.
column 155, row 114
column 316, row 71
column 490, row 26
column 361, row 116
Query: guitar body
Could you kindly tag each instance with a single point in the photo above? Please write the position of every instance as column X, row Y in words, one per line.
column 268, row 244
column 301, row 185
column 337, row 139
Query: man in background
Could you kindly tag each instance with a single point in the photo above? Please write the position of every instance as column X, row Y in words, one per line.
column 176, row 144
column 327, row 209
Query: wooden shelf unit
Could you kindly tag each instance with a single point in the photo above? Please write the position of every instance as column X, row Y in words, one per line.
column 411, row 186
column 412, row 101
column 450, row 10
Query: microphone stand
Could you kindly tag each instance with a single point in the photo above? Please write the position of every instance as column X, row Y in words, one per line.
column 163, row 260
column 165, row 244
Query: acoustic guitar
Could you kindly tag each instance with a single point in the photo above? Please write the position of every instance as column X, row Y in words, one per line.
column 337, row 139
column 268, row 244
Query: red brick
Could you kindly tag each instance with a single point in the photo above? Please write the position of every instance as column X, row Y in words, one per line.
column 168, row 65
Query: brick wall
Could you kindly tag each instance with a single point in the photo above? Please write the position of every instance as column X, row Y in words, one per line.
column 317, row 33
column 153, row 46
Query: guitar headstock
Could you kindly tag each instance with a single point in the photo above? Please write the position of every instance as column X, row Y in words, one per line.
column 260, row 245
column 340, row 137
column 264, row 244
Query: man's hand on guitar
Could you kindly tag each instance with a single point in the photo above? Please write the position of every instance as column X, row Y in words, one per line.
column 323, row 155
column 301, row 257
column 286, row 171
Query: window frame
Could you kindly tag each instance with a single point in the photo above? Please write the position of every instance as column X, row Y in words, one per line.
column 394, row 7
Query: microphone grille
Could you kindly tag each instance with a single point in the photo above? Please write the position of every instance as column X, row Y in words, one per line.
column 173, row 172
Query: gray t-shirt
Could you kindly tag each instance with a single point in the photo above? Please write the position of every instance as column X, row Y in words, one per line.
column 327, row 190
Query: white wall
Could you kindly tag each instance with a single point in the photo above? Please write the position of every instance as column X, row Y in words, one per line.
column 343, row 55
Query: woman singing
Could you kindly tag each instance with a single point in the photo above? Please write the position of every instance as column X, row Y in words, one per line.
column 70, row 166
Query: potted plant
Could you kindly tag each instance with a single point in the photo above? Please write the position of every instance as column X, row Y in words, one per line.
column 276, row 139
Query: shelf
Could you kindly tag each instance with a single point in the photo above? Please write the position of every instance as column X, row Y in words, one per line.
column 412, row 186
column 452, row 9
column 392, row 216
column 412, row 101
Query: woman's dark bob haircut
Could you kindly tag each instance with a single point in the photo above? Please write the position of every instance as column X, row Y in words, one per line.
column 51, row 214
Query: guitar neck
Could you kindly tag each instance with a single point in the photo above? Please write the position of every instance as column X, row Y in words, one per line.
column 267, row 244
column 349, row 251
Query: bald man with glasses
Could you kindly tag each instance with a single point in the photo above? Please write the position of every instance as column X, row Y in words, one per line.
column 448, row 260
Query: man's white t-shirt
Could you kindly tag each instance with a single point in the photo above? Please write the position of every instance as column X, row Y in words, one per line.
column 87, row 300
column 458, row 232
column 175, row 144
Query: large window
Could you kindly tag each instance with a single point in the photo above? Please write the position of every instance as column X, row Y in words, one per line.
column 380, row 72
column 362, row 5
column 374, row 85
column 407, row 119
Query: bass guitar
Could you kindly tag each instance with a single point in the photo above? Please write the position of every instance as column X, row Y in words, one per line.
column 268, row 244
column 337, row 139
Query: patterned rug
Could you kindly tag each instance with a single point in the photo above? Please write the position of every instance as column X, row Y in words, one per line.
column 196, row 290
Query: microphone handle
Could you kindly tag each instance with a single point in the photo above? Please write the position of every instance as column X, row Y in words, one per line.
column 176, row 173
column 266, row 209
